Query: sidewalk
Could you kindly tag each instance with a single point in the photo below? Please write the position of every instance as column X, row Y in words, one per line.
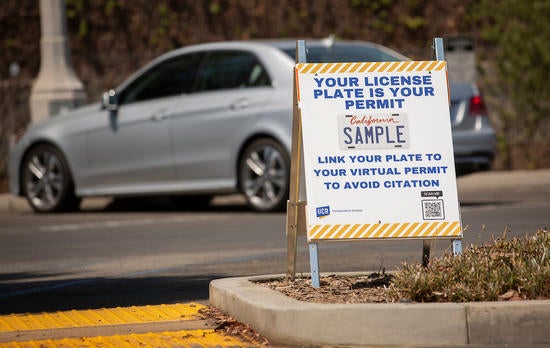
column 504, row 186
column 14, row 204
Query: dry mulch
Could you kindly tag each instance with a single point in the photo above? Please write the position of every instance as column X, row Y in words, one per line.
column 231, row 327
column 336, row 288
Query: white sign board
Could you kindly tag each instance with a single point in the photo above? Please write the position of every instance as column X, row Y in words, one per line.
column 378, row 153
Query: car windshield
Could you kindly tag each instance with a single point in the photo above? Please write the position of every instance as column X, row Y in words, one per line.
column 343, row 53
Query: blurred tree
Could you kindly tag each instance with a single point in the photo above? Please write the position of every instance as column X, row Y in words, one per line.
column 520, row 34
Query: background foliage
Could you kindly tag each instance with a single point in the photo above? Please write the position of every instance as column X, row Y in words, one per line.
column 110, row 39
column 518, row 78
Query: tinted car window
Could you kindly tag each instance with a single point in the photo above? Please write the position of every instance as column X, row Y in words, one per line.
column 231, row 69
column 343, row 53
column 172, row 77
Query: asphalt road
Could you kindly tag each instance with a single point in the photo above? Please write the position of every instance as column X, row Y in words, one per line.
column 141, row 252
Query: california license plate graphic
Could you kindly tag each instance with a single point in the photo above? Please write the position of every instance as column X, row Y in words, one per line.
column 373, row 131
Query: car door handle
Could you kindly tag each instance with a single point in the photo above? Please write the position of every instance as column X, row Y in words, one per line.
column 159, row 115
column 240, row 104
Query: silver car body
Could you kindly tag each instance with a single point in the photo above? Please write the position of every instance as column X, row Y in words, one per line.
column 187, row 143
column 191, row 143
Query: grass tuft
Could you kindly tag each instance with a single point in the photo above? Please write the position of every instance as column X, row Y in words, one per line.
column 517, row 269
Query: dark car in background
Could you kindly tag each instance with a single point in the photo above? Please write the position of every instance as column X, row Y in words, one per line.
column 200, row 121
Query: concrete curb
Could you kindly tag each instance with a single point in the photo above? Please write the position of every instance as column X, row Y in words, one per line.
column 14, row 204
column 288, row 321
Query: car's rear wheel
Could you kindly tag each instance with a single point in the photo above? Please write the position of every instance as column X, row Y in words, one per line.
column 264, row 175
column 47, row 182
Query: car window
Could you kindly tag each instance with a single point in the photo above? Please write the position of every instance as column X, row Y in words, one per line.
column 231, row 69
column 343, row 53
column 168, row 78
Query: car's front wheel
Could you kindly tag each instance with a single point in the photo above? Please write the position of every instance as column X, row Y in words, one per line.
column 264, row 175
column 47, row 182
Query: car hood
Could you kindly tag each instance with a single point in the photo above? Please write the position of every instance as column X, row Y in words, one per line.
column 68, row 116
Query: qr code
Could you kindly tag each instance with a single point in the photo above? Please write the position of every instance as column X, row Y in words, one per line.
column 432, row 209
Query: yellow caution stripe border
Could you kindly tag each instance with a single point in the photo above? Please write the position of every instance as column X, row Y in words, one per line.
column 396, row 230
column 371, row 67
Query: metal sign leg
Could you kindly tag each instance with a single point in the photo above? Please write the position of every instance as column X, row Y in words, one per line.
column 314, row 264
column 457, row 247
column 291, row 237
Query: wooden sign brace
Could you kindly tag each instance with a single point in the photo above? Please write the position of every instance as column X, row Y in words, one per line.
column 295, row 218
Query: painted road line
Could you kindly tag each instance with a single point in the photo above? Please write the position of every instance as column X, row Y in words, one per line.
column 128, row 223
column 184, row 338
column 100, row 317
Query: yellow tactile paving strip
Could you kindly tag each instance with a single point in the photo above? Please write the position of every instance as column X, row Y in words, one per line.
column 75, row 319
column 99, row 317
column 188, row 338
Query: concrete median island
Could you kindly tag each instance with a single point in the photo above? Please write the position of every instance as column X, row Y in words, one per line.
column 288, row 321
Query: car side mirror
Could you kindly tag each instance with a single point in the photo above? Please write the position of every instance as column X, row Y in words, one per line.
column 110, row 100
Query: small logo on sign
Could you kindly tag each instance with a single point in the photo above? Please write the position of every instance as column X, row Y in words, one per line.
column 322, row 211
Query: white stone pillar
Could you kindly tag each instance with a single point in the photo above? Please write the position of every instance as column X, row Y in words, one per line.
column 56, row 89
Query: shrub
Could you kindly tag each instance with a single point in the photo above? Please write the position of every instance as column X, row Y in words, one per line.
column 503, row 269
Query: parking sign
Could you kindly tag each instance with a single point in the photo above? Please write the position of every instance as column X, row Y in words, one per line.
column 378, row 154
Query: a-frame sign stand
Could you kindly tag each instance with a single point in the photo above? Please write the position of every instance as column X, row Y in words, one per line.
column 296, row 206
column 438, row 54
